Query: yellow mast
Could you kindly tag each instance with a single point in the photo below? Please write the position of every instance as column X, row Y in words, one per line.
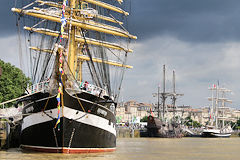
column 75, row 25
column 42, row 50
column 85, row 58
column 71, row 51
column 79, row 66
column 107, row 6
column 98, row 3
column 79, row 39
column 98, row 28
column 103, row 61
column 68, row 9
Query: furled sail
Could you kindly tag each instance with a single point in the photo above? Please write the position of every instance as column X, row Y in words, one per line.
column 95, row 39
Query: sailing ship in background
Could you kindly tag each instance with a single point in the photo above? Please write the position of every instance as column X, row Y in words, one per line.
column 76, row 71
column 217, row 124
column 162, row 126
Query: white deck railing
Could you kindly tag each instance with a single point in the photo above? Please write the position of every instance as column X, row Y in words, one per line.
column 90, row 88
column 38, row 87
column 83, row 86
column 44, row 86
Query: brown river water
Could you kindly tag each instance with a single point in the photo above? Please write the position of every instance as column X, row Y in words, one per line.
column 148, row 149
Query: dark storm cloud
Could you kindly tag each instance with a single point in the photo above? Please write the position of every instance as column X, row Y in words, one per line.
column 189, row 20
column 8, row 22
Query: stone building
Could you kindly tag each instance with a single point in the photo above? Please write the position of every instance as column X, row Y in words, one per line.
column 131, row 111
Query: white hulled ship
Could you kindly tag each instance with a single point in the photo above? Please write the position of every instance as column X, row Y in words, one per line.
column 217, row 124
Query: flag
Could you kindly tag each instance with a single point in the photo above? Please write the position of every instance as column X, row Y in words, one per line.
column 151, row 112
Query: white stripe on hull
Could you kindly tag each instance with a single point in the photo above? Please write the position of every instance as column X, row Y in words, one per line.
column 222, row 134
column 215, row 132
column 86, row 118
column 39, row 117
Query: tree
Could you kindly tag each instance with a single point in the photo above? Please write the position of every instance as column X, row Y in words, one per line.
column 144, row 119
column 235, row 125
column 12, row 82
column 190, row 122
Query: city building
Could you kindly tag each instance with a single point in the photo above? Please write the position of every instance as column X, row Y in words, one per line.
column 132, row 111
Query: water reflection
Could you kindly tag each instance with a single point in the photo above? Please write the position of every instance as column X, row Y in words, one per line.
column 146, row 149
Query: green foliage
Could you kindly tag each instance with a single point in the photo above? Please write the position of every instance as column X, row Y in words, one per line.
column 12, row 82
column 238, row 122
column 196, row 124
column 119, row 119
column 144, row 119
column 236, row 125
column 190, row 122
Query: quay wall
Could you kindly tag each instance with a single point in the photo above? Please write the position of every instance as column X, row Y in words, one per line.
column 4, row 132
column 128, row 133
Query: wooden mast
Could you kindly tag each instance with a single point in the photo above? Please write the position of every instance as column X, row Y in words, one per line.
column 75, row 24
column 72, row 31
column 95, row 27
column 80, row 39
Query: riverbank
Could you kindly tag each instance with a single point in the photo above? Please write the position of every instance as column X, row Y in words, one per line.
column 125, row 132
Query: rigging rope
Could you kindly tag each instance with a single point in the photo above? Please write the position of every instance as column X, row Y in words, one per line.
column 95, row 77
column 65, row 61
column 100, row 72
column 20, row 43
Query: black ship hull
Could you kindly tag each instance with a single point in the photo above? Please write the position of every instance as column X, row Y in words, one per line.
column 86, row 124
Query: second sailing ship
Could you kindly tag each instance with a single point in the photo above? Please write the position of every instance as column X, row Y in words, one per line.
column 217, row 124
column 162, row 126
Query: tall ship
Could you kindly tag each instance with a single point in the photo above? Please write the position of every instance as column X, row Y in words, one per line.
column 218, row 126
column 75, row 53
column 162, row 125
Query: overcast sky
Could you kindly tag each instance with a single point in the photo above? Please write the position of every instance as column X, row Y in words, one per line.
column 200, row 40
